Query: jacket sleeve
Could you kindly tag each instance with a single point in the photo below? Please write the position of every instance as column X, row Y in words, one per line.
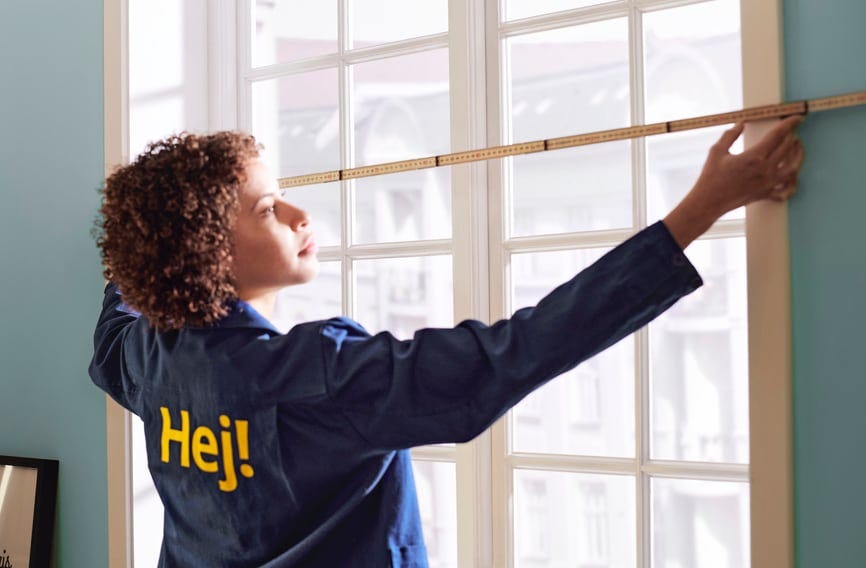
column 448, row 385
column 107, row 367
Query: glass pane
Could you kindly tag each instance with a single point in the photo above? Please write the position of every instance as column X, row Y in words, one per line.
column 297, row 120
column 577, row 189
column 322, row 203
column 573, row 519
column 700, row 524
column 147, row 509
column 436, row 485
column 693, row 67
column 402, row 295
column 674, row 162
column 287, row 30
column 403, row 207
column 699, row 363
column 401, row 107
column 382, row 21
column 568, row 81
column 154, row 119
column 168, row 77
column 693, row 64
column 316, row 300
column 563, row 82
column 590, row 409
column 516, row 9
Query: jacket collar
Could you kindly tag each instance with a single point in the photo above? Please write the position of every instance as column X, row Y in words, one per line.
column 242, row 314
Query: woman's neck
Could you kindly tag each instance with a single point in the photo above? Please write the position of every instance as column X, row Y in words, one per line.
column 264, row 303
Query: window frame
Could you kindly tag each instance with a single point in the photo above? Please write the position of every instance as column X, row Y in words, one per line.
column 642, row 467
column 118, row 430
column 768, row 270
column 475, row 111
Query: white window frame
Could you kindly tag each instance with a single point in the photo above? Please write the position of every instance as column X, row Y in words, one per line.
column 771, row 459
column 768, row 360
column 118, row 426
column 478, row 229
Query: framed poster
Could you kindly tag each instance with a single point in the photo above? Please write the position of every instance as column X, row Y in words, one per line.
column 28, row 493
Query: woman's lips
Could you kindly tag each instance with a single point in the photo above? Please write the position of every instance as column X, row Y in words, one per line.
column 310, row 247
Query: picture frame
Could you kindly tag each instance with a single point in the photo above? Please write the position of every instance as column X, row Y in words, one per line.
column 28, row 499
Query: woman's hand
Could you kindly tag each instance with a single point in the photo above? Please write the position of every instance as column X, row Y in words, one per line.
column 767, row 170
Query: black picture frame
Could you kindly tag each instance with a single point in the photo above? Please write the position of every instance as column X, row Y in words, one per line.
column 44, row 506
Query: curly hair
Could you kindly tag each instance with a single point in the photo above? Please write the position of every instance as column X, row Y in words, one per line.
column 165, row 233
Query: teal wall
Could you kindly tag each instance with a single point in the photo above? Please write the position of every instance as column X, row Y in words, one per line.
column 51, row 162
column 825, row 54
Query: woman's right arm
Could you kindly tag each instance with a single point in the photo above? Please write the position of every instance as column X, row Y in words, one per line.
column 107, row 368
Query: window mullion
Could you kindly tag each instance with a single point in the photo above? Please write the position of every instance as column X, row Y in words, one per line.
column 344, row 81
column 643, row 505
column 244, row 59
column 556, row 20
column 498, row 260
column 222, row 63
column 469, row 241
column 638, row 116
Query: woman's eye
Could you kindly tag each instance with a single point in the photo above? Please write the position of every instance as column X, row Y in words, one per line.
column 269, row 210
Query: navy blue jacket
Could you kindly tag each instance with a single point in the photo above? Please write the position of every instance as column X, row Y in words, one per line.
column 271, row 449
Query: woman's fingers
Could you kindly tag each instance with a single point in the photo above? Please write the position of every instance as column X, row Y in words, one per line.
column 788, row 173
column 792, row 161
column 728, row 138
column 785, row 192
column 781, row 154
column 776, row 136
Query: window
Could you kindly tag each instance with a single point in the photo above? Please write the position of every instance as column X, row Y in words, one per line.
column 670, row 404
column 640, row 457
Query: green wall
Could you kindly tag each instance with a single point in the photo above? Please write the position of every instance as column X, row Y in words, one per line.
column 51, row 162
column 825, row 54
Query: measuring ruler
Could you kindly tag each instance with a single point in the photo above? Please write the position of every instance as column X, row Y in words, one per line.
column 746, row 115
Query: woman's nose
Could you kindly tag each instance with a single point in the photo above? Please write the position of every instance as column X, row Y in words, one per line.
column 297, row 218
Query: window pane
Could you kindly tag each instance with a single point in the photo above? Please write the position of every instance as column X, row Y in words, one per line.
column 577, row 189
column 693, row 64
column 147, row 509
column 403, row 207
column 699, row 363
column 436, row 485
column 286, row 30
column 401, row 107
column 297, row 120
column 564, row 82
column 402, row 295
column 568, row 81
column 152, row 120
column 573, row 519
column 516, row 9
column 322, row 203
column 674, row 162
column 693, row 67
column 382, row 21
column 167, row 78
column 700, row 524
column 316, row 300
column 590, row 409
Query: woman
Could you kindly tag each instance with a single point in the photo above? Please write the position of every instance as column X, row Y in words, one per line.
column 271, row 449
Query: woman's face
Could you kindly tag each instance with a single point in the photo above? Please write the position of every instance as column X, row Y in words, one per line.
column 273, row 242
